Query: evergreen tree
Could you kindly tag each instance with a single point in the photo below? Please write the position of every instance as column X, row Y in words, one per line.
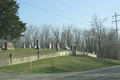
column 10, row 25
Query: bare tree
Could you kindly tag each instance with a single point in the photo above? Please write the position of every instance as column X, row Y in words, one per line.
column 56, row 33
column 69, row 35
column 77, row 36
column 35, row 35
column 45, row 35
column 28, row 35
column 98, row 24
column 63, row 37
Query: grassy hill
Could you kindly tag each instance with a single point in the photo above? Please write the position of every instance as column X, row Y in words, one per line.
column 61, row 64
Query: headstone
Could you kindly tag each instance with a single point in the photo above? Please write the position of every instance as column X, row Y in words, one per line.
column 86, row 52
column 37, row 44
column 57, row 46
column 30, row 46
column 0, row 45
column 93, row 52
column 44, row 47
column 35, row 47
column 9, row 45
column 3, row 46
column 52, row 46
column 24, row 46
column 49, row 46
column 74, row 49
column 65, row 45
column 39, row 47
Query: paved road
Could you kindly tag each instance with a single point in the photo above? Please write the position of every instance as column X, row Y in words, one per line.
column 111, row 73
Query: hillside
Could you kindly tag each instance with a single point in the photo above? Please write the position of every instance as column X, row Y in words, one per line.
column 61, row 64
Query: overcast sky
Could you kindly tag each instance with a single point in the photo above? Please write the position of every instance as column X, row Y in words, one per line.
column 59, row 12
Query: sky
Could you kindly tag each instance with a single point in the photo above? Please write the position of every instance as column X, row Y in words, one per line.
column 68, row 12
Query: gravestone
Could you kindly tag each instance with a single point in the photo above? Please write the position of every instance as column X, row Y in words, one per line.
column 8, row 45
column 3, row 46
column 39, row 47
column 49, row 46
column 73, row 49
column 35, row 47
column 37, row 44
column 30, row 46
column 0, row 45
column 24, row 46
column 44, row 47
column 52, row 46
column 65, row 45
column 93, row 52
column 57, row 46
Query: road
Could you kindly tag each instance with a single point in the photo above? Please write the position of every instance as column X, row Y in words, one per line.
column 111, row 73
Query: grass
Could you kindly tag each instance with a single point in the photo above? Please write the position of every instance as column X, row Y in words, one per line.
column 61, row 64
column 20, row 52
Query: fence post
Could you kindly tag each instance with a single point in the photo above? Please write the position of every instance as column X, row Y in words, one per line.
column 31, row 67
column 38, row 54
column 11, row 57
column 52, row 67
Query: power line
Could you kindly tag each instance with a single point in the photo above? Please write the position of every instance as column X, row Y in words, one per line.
column 72, row 8
column 66, row 10
column 52, row 12
column 91, row 8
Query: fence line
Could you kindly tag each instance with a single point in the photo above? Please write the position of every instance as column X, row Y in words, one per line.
column 12, row 61
column 18, row 60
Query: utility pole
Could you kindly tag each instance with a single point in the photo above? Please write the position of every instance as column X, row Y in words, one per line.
column 117, row 33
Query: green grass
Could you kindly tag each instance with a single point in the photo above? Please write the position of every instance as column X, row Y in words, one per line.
column 20, row 52
column 61, row 64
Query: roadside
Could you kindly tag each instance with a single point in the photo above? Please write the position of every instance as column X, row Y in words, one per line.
column 110, row 73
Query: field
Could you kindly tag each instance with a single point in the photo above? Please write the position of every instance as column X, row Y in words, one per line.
column 61, row 64
column 20, row 52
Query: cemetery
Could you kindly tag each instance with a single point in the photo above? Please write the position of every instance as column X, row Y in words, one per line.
column 73, row 59
column 21, row 55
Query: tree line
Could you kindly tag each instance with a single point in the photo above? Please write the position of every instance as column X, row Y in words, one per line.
column 98, row 39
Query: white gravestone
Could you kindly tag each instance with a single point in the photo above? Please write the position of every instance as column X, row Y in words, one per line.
column 24, row 46
column 49, row 46
column 39, row 46
column 65, row 45
column 30, row 46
